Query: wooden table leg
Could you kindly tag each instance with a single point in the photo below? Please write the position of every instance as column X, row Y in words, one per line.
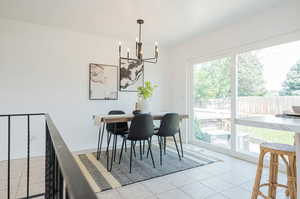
column 100, row 137
column 297, row 143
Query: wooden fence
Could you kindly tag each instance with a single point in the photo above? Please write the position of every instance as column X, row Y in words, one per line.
column 254, row 104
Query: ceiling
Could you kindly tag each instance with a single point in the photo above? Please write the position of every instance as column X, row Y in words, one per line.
column 167, row 21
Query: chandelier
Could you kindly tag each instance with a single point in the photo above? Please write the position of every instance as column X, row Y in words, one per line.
column 139, row 49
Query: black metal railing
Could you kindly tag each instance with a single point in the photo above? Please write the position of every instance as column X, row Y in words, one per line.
column 63, row 177
column 9, row 118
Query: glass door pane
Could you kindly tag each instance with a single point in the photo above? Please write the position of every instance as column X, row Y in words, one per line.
column 268, row 84
column 212, row 102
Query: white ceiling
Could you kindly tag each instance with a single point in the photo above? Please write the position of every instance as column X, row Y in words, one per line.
column 168, row 21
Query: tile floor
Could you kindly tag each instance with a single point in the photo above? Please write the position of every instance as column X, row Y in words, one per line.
column 19, row 178
column 229, row 179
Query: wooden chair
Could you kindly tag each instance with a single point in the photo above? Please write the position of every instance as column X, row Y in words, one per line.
column 288, row 155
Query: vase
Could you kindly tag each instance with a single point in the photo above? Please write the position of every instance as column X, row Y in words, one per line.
column 144, row 105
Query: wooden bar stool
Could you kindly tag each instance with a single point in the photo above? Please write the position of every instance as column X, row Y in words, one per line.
column 288, row 155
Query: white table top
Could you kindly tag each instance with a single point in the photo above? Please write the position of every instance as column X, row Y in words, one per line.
column 271, row 122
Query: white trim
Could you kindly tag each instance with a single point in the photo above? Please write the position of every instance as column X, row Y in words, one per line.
column 249, row 46
column 190, row 103
column 233, row 111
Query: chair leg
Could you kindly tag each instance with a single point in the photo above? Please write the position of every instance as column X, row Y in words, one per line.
column 125, row 146
column 149, row 146
column 165, row 145
column 115, row 150
column 158, row 140
column 180, row 140
column 176, row 147
column 160, row 149
column 108, row 141
column 143, row 147
column 131, row 147
column 258, row 175
column 134, row 143
column 141, row 155
column 123, row 143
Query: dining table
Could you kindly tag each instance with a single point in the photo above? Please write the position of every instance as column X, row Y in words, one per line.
column 280, row 122
column 102, row 120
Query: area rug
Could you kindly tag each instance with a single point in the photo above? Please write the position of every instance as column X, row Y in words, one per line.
column 101, row 180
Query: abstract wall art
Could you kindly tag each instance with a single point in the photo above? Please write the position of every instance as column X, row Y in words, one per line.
column 131, row 75
column 103, row 82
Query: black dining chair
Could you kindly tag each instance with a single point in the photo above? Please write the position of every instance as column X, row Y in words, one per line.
column 169, row 127
column 114, row 130
column 141, row 129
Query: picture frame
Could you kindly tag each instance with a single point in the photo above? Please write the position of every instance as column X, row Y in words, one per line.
column 103, row 82
column 131, row 75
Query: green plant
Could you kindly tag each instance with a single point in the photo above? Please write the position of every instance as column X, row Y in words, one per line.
column 146, row 91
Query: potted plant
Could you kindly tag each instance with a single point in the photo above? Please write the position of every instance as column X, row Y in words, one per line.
column 144, row 94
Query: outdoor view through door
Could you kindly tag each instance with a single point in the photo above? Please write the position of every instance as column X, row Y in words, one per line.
column 212, row 102
column 268, row 83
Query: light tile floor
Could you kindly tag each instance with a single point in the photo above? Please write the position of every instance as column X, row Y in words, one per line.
column 230, row 179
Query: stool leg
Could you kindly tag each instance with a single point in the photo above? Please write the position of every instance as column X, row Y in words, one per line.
column 295, row 170
column 287, row 173
column 259, row 171
column 292, row 177
column 273, row 175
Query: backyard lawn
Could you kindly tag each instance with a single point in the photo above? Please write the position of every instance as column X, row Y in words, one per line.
column 269, row 135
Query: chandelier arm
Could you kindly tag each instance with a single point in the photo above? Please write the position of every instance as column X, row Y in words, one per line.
column 130, row 59
column 148, row 59
column 152, row 62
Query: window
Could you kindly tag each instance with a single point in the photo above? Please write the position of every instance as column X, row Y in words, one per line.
column 268, row 83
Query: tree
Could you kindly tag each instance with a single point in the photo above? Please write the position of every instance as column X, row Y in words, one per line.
column 291, row 86
column 250, row 75
column 212, row 79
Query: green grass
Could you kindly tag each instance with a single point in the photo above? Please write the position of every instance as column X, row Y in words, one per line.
column 268, row 135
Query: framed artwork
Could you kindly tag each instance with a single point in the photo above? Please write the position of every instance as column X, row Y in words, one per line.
column 131, row 75
column 103, row 82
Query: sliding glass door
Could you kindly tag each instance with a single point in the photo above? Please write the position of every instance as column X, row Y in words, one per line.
column 266, row 81
column 212, row 102
column 268, row 84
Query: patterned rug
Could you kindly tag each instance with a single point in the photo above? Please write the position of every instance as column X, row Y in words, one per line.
column 101, row 180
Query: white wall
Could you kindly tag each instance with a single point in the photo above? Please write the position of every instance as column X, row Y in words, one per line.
column 43, row 69
column 276, row 25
